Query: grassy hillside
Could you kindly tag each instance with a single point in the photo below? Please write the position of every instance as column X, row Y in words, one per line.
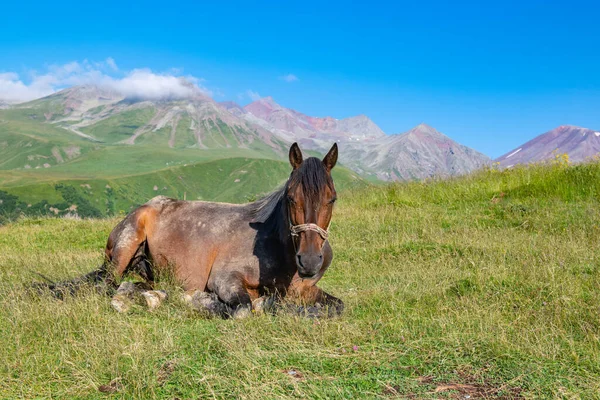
column 34, row 149
column 485, row 286
column 120, row 126
column 29, row 144
column 235, row 180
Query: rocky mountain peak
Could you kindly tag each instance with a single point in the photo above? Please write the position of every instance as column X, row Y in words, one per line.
column 579, row 143
column 424, row 129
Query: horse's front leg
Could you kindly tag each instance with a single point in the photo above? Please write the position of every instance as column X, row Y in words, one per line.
column 231, row 289
column 130, row 293
column 207, row 303
column 314, row 301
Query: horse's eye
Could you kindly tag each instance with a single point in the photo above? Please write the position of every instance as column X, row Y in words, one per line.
column 290, row 200
column 332, row 200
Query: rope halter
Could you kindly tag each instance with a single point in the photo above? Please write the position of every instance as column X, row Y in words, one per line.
column 296, row 229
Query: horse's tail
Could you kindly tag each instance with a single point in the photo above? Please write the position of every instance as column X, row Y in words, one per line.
column 70, row 287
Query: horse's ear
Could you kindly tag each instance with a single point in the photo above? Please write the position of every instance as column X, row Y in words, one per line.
column 295, row 156
column 331, row 157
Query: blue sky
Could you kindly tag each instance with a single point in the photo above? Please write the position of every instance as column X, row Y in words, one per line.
column 490, row 75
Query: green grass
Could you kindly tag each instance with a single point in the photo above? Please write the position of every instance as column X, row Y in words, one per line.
column 490, row 280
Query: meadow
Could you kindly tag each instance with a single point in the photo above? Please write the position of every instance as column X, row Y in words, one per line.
column 484, row 286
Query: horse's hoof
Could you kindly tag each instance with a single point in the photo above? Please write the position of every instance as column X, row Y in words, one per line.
column 242, row 312
column 188, row 296
column 121, row 303
column 197, row 299
column 258, row 305
column 154, row 298
column 264, row 304
column 206, row 303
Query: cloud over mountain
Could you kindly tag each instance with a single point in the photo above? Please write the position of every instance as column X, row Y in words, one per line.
column 137, row 83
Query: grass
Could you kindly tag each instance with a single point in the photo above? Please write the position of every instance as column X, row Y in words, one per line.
column 490, row 281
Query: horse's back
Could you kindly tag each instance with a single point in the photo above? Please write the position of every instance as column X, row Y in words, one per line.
column 183, row 214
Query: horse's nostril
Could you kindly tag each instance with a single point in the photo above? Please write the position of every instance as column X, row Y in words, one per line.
column 299, row 260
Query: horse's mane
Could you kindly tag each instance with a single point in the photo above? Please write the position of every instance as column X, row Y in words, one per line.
column 311, row 174
column 262, row 209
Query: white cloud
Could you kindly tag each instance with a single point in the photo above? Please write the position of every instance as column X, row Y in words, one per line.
column 13, row 90
column 144, row 84
column 138, row 83
column 112, row 64
column 289, row 78
column 253, row 95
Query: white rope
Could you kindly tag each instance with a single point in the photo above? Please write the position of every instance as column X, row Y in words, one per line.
column 296, row 229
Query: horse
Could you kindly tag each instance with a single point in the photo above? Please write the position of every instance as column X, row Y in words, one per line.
column 235, row 254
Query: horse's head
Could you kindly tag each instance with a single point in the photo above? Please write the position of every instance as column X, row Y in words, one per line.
column 310, row 195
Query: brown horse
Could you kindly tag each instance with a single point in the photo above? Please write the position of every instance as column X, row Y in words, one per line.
column 237, row 253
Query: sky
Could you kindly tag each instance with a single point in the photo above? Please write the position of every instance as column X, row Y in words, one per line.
column 491, row 75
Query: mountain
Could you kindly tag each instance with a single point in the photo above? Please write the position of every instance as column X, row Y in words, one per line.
column 419, row 153
column 294, row 125
column 232, row 107
column 578, row 143
column 108, row 117
column 69, row 130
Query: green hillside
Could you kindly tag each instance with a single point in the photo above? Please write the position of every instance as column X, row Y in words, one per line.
column 34, row 148
column 232, row 180
column 120, row 126
column 486, row 286
column 30, row 144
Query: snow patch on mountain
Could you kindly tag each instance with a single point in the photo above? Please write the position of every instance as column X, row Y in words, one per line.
column 514, row 152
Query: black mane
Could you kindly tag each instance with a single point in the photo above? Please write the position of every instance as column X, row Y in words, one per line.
column 262, row 209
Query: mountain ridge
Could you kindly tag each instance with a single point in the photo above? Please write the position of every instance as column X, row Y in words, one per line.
column 367, row 149
column 579, row 143
column 104, row 116
column 195, row 122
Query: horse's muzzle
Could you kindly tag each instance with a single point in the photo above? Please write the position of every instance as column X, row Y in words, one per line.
column 309, row 265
